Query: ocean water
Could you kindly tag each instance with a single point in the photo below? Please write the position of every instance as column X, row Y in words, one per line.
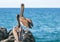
column 46, row 22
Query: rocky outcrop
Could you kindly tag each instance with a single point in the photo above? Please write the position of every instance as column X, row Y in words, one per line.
column 3, row 33
column 8, row 36
column 28, row 37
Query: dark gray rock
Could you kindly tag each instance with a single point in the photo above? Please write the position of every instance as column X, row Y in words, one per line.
column 28, row 37
column 3, row 33
column 10, row 32
column 8, row 37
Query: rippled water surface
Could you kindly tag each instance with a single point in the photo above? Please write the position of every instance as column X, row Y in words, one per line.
column 46, row 22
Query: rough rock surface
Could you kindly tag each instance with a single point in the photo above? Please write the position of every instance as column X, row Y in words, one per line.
column 8, row 36
column 28, row 37
column 3, row 33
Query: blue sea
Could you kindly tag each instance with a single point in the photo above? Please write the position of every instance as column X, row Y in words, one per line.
column 46, row 22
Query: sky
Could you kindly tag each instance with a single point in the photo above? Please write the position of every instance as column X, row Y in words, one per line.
column 30, row 3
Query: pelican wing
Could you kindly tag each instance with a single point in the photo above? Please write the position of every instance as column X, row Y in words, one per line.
column 24, row 22
column 30, row 22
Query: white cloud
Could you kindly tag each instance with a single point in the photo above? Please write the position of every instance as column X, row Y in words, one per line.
column 30, row 3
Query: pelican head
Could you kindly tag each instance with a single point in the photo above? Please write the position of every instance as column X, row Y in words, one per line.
column 22, row 4
column 18, row 20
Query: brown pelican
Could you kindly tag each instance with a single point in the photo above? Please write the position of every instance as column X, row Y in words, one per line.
column 21, row 35
column 25, row 21
column 17, row 30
